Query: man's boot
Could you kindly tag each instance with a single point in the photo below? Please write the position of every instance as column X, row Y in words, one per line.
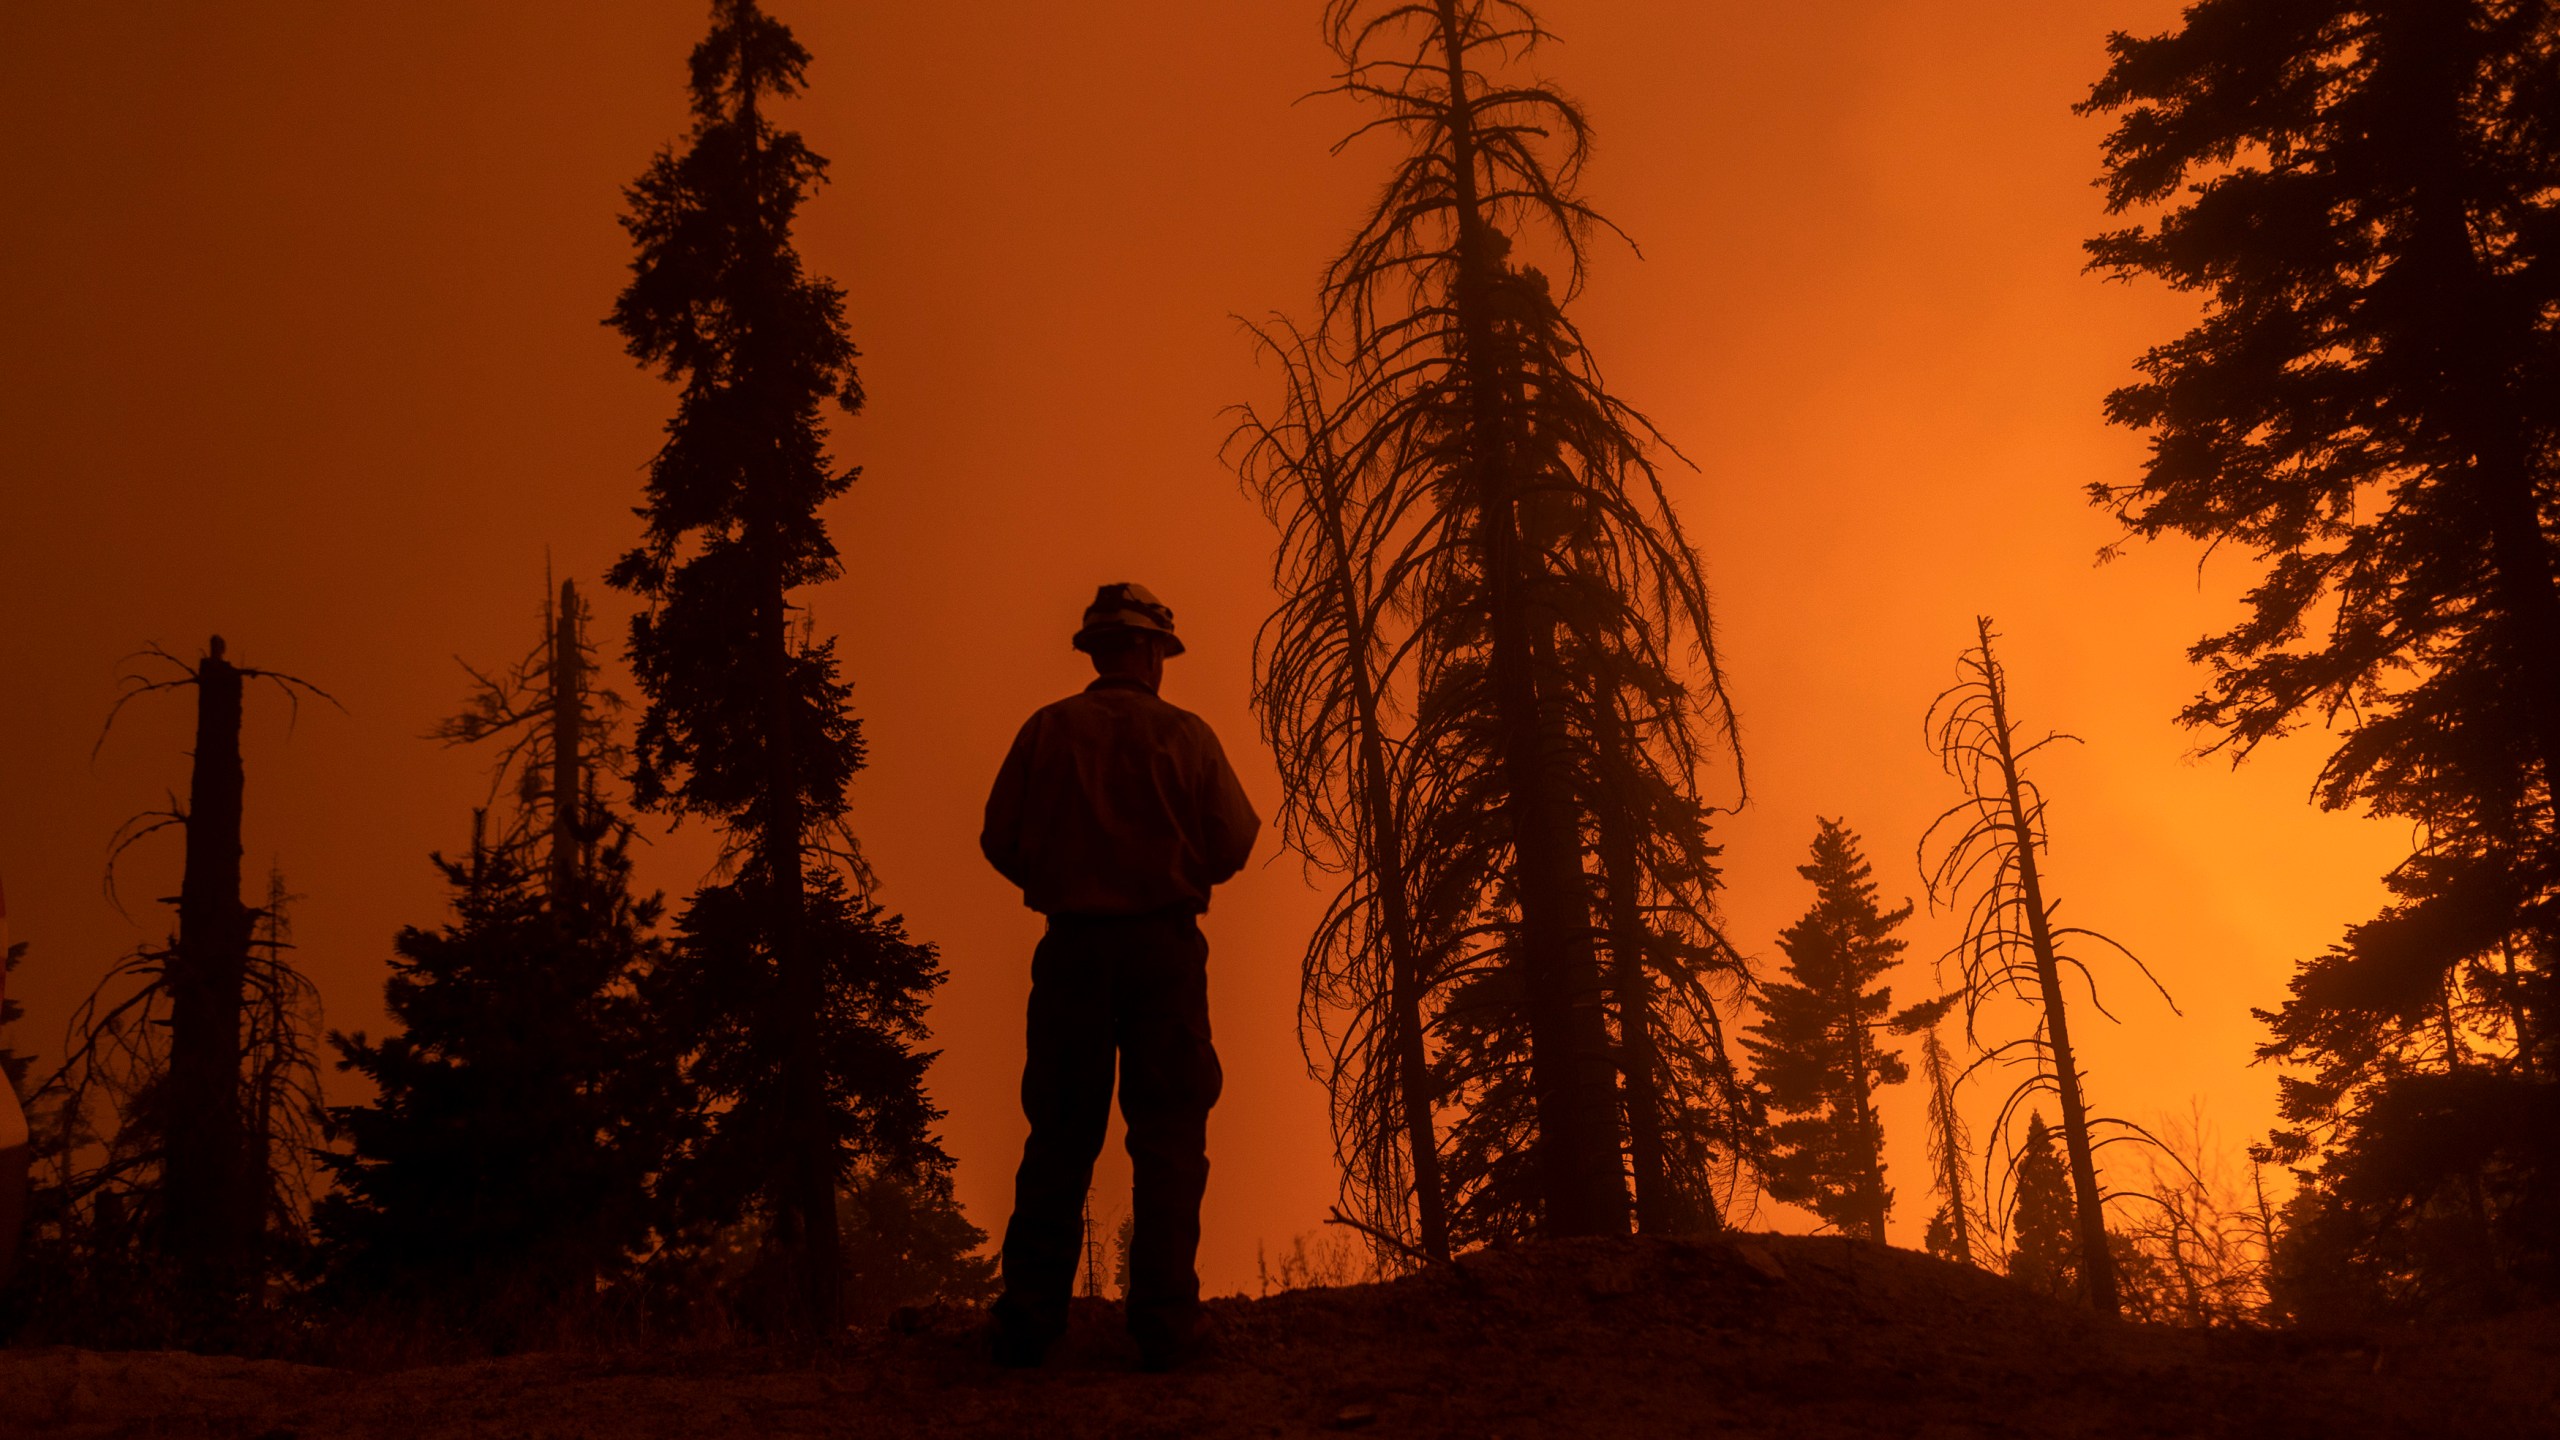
column 1019, row 1340
column 1168, row 1339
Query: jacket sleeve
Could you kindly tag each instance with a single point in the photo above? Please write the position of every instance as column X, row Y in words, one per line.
column 1228, row 823
column 1000, row 838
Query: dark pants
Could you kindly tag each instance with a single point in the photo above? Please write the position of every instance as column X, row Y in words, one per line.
column 1136, row 989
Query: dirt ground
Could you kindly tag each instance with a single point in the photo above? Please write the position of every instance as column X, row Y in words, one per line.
column 1766, row 1336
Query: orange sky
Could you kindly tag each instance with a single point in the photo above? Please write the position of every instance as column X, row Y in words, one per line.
column 303, row 346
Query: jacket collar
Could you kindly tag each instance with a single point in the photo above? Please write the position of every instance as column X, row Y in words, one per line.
column 1119, row 682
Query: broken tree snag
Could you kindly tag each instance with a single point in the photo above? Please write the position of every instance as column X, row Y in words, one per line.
column 212, row 1202
column 1991, row 869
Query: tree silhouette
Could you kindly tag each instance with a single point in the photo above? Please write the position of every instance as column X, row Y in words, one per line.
column 280, row 1082
column 1817, row 1049
column 804, row 1000
column 1951, row 1229
column 501, row 1171
column 2362, row 195
column 2046, row 1250
column 1472, row 528
column 2195, row 1250
column 1323, row 682
column 557, row 745
column 907, row 1243
column 211, row 1214
column 1990, row 865
column 174, row 1133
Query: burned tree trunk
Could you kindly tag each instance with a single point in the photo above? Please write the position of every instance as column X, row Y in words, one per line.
column 211, row 1198
column 1631, row 978
column 1406, row 980
column 2097, row 1268
column 1576, row 1091
column 811, row 1162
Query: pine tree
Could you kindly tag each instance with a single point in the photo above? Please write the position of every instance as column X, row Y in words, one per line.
column 523, row 1107
column 1692, row 1121
column 501, row 1172
column 2362, row 193
column 804, row 1001
column 907, row 1244
column 1817, row 1049
column 2044, row 1242
column 1121, row 1242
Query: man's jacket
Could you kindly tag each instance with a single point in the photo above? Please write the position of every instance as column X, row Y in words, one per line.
column 1113, row 802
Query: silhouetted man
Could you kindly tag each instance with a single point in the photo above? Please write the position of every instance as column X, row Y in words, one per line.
column 1115, row 812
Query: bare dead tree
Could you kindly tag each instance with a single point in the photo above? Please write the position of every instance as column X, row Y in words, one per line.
column 104, row 1116
column 553, row 746
column 1950, row 1141
column 185, row 1132
column 1322, row 689
column 1988, row 866
column 2200, row 1247
column 280, row 1077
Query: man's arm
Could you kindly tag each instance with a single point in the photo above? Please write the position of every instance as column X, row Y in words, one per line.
column 1228, row 823
column 1000, row 838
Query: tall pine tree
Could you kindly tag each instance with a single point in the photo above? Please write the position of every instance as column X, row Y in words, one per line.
column 804, row 1001
column 2365, row 194
column 1818, row 1048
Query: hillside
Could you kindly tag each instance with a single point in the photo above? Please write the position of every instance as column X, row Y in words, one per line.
column 1770, row 1336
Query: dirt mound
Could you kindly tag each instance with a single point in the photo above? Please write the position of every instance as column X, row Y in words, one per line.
column 1764, row 1336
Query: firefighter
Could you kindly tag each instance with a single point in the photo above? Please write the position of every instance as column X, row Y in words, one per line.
column 1115, row 812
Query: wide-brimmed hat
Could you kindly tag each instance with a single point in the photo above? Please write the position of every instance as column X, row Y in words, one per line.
column 1127, row 606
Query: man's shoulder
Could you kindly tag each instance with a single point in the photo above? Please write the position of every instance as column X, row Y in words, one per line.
column 1102, row 702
